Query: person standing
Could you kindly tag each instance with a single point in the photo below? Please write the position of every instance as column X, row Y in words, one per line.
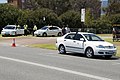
column 63, row 31
column 34, row 29
column 67, row 29
column 25, row 30
column 18, row 26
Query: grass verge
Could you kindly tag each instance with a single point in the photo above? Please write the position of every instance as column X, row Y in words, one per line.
column 45, row 46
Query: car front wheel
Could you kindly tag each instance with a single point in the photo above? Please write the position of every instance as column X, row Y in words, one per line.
column 89, row 52
column 62, row 49
column 44, row 35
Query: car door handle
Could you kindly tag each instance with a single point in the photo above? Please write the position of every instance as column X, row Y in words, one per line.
column 74, row 41
column 64, row 40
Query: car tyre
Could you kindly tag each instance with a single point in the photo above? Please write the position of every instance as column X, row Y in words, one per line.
column 62, row 49
column 59, row 34
column 44, row 34
column 89, row 52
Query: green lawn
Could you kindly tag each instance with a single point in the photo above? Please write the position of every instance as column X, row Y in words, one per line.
column 105, row 35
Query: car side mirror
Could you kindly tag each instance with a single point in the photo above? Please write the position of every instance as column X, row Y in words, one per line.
column 82, row 39
column 48, row 29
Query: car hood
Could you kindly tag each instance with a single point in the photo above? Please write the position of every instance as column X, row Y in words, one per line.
column 104, row 43
column 8, row 30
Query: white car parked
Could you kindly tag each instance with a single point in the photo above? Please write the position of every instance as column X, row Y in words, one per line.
column 48, row 31
column 85, row 43
column 12, row 30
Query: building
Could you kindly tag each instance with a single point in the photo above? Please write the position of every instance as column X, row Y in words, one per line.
column 104, row 3
column 17, row 3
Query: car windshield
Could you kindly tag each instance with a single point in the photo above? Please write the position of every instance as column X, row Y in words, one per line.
column 92, row 37
column 9, row 27
column 44, row 28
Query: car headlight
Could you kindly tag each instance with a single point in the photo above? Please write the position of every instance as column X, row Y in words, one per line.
column 100, row 46
column 114, row 46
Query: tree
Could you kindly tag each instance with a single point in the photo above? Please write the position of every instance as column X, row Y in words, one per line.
column 113, row 8
column 115, row 19
column 103, row 25
column 44, row 17
column 71, row 18
column 89, row 18
column 8, row 14
column 25, row 17
column 58, row 6
column 94, row 5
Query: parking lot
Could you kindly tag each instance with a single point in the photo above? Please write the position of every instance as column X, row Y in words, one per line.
column 28, row 40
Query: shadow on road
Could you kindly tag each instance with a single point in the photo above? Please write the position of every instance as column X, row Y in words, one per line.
column 95, row 57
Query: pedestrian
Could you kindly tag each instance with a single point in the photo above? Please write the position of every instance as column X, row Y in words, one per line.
column 34, row 29
column 67, row 29
column 25, row 30
column 63, row 31
column 18, row 26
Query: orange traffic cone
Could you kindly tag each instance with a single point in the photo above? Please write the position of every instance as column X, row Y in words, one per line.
column 13, row 44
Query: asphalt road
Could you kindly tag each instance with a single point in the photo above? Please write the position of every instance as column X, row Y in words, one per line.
column 25, row 63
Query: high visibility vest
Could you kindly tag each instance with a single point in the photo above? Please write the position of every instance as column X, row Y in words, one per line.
column 35, row 27
column 25, row 27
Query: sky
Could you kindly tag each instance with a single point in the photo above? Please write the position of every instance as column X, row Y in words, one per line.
column 3, row 1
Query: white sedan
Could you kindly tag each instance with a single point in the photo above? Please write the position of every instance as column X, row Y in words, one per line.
column 48, row 31
column 12, row 30
column 85, row 43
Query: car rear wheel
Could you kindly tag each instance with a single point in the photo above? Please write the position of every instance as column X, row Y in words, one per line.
column 59, row 34
column 62, row 49
column 44, row 35
column 89, row 52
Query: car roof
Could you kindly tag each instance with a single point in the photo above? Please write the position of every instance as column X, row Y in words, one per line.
column 12, row 25
column 82, row 32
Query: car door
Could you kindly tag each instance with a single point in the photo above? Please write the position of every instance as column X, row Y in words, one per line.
column 18, row 30
column 21, row 30
column 55, row 31
column 78, row 43
column 50, row 31
column 68, row 42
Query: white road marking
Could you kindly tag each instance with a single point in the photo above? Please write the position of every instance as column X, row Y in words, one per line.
column 56, row 68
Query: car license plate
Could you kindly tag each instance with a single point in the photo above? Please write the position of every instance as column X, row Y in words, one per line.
column 110, row 52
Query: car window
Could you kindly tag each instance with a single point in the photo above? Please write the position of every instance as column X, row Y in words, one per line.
column 70, row 36
column 44, row 28
column 92, row 37
column 78, row 37
column 9, row 27
column 53, row 28
column 22, row 27
column 18, row 27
